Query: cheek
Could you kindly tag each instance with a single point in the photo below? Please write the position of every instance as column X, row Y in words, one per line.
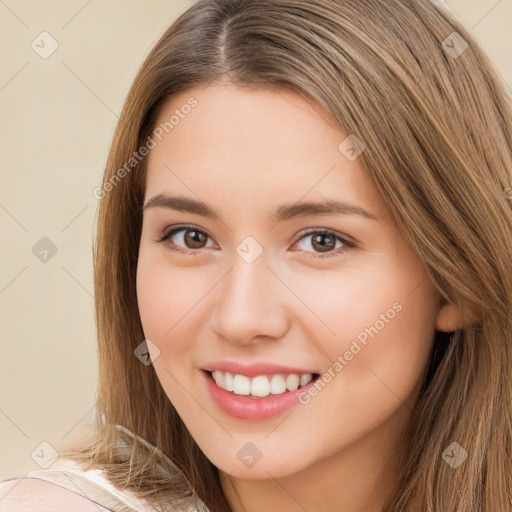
column 386, row 356
column 382, row 325
column 157, row 296
column 343, row 305
column 168, row 300
column 165, row 299
column 152, row 299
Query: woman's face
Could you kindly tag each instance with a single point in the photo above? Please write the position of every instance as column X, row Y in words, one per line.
column 255, row 284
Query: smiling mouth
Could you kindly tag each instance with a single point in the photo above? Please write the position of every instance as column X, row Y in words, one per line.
column 260, row 386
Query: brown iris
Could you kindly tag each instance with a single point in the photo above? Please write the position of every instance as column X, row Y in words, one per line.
column 193, row 237
column 319, row 243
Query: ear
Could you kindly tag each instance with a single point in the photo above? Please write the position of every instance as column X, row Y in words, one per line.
column 452, row 317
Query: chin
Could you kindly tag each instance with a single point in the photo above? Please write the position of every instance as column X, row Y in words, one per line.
column 250, row 463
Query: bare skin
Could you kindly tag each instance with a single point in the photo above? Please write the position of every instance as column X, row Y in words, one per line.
column 245, row 153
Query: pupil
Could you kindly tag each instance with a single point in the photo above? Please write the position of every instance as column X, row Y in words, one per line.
column 320, row 239
column 194, row 237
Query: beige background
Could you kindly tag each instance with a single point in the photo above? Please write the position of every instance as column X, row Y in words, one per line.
column 58, row 117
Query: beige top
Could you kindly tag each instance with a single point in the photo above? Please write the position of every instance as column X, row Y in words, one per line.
column 93, row 485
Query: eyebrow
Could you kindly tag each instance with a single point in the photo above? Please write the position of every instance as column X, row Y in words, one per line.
column 282, row 213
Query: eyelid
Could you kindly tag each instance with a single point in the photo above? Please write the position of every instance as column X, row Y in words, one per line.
column 345, row 238
column 171, row 231
column 167, row 232
column 348, row 242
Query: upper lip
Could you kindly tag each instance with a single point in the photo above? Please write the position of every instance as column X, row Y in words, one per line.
column 254, row 369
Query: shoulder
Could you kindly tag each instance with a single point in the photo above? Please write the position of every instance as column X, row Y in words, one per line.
column 31, row 494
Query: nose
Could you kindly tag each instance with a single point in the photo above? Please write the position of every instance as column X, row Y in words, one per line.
column 250, row 305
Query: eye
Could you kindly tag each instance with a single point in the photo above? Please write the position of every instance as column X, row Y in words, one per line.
column 192, row 238
column 325, row 241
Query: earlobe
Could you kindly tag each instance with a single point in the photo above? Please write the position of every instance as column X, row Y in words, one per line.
column 452, row 317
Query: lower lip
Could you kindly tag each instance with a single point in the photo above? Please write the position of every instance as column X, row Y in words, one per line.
column 246, row 408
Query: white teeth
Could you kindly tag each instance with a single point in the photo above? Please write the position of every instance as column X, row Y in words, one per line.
column 228, row 381
column 218, row 377
column 304, row 379
column 292, row 382
column 277, row 385
column 241, row 385
column 262, row 385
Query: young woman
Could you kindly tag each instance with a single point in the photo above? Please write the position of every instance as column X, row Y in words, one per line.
column 303, row 269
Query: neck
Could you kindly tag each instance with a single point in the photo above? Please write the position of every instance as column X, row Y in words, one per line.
column 361, row 477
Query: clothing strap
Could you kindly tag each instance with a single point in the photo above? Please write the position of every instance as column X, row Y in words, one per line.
column 80, row 485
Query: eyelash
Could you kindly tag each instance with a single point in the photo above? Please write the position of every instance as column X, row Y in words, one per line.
column 335, row 252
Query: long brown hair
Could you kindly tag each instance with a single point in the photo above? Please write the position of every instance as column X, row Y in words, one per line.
column 411, row 82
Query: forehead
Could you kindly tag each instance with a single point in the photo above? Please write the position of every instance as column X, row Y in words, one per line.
column 257, row 146
column 264, row 119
